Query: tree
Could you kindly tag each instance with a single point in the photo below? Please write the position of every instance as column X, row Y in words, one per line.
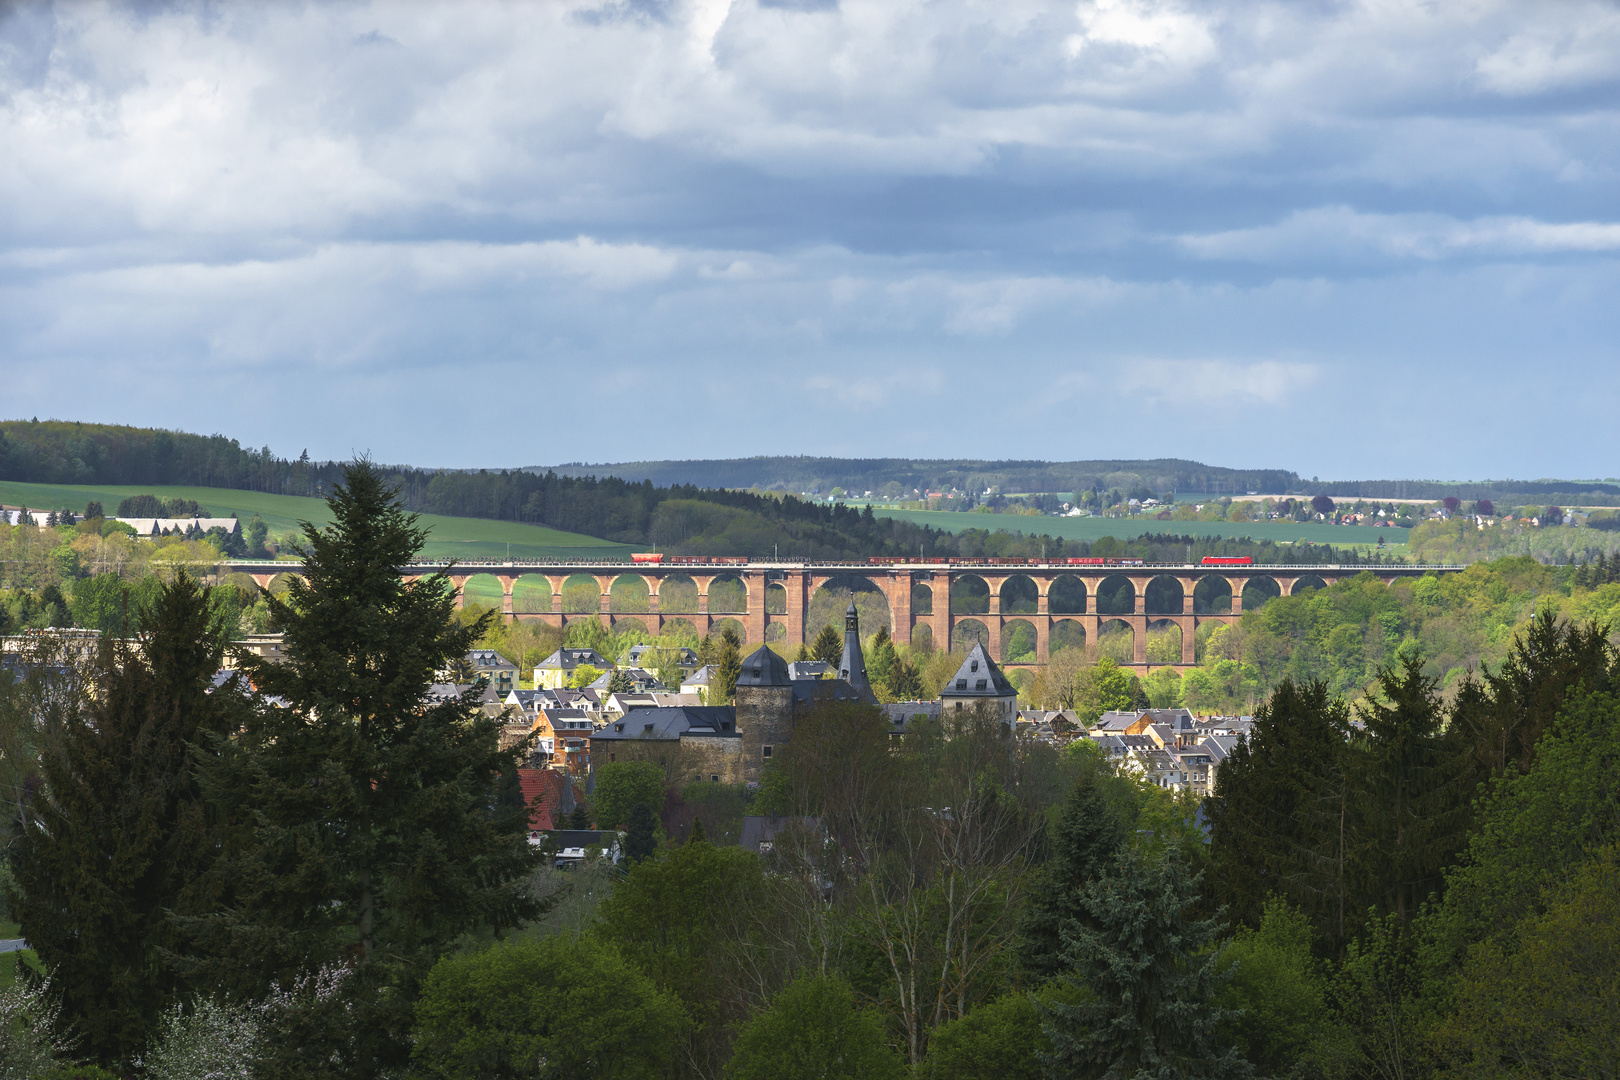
column 256, row 533
column 1322, row 504
column 641, row 834
column 1276, row 995
column 558, row 1006
column 92, row 509
column 1085, row 844
column 814, row 1031
column 728, row 668
column 828, row 646
column 671, row 918
column 94, row 898
column 1002, row 1040
column 905, row 682
column 620, row 683
column 621, row 786
column 366, row 829
column 1151, row 968
column 583, row 676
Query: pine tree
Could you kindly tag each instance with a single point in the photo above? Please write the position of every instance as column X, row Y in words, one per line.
column 1085, row 843
column 120, row 835
column 641, row 835
column 1412, row 795
column 1279, row 817
column 1150, row 971
column 728, row 667
column 828, row 646
column 370, row 828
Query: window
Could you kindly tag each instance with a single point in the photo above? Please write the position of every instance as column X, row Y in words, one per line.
column 981, row 684
column 618, row 727
column 725, row 725
column 715, row 778
column 975, row 666
column 765, row 752
column 961, row 684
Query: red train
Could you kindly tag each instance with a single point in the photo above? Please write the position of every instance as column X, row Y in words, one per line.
column 1228, row 560
column 689, row 560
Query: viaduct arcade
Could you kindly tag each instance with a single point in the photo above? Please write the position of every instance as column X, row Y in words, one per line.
column 778, row 595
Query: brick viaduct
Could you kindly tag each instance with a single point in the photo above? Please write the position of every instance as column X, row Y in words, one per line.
column 799, row 581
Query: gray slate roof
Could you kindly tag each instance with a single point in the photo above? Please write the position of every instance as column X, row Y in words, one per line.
column 671, row 723
column 978, row 677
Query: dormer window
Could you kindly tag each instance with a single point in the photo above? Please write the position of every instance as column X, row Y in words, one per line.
column 975, row 666
column 981, row 684
column 618, row 727
column 961, row 684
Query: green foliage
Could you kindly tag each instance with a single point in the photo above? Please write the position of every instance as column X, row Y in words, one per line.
column 1002, row 1040
column 727, row 669
column 1542, row 1003
column 30, row 1042
column 1088, row 837
column 562, row 1006
column 1152, row 966
column 1276, row 995
column 365, row 825
column 208, row 1041
column 583, row 676
column 621, row 786
column 828, row 646
column 814, row 1030
column 666, row 918
column 94, row 901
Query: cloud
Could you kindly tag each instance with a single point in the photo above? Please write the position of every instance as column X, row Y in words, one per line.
column 1216, row 382
column 1340, row 232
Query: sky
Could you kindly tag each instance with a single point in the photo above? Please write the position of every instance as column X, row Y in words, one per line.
column 1354, row 240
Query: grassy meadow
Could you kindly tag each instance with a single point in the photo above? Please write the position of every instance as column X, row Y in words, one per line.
column 1094, row 528
column 449, row 537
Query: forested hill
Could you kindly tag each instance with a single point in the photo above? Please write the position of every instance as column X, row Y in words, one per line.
column 874, row 474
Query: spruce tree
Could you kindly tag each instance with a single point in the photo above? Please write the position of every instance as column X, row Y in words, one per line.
column 1088, row 837
column 120, row 836
column 728, row 668
column 371, row 832
column 828, row 646
column 1147, row 970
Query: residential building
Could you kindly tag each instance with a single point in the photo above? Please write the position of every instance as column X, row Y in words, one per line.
column 706, row 736
column 979, row 683
column 556, row 670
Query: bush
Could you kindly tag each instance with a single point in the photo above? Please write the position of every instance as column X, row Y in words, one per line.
column 814, row 1031
column 560, row 1006
column 29, row 1046
column 211, row 1042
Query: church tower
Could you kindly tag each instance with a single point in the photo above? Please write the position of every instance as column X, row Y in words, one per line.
column 852, row 666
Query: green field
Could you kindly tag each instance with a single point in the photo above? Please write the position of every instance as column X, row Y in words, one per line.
column 449, row 537
column 1094, row 528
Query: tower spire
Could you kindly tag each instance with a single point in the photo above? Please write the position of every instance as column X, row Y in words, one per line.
column 852, row 665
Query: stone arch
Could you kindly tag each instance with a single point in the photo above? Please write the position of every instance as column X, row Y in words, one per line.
column 278, row 584
column 629, row 594
column 728, row 594
column 922, row 637
column 581, row 595
column 736, row 625
column 623, row 621
column 922, row 601
column 244, row 583
column 1212, row 595
column 1164, row 595
column 831, row 599
column 1260, row 591
column 776, row 600
column 970, row 595
column 484, row 590
column 680, row 629
column 967, row 633
column 1115, row 595
column 1018, row 642
column 1116, row 640
column 1068, row 634
column 1163, row 641
column 531, row 593
column 1020, row 595
column 1307, row 581
column 1066, row 596
column 678, row 593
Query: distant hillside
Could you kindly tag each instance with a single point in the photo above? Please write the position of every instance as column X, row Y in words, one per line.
column 872, row 474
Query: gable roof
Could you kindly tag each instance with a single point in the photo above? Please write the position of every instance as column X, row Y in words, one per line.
column 670, row 723
column 978, row 677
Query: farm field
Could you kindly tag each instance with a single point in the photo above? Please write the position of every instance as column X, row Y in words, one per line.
column 1094, row 528
column 449, row 537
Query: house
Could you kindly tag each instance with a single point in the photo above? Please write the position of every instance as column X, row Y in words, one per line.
column 642, row 681
column 556, row 670
column 563, row 739
column 980, row 683
column 656, row 656
column 759, row 833
column 489, row 664
column 698, row 681
column 809, row 669
column 904, row 715
column 1137, row 721
column 618, row 704
column 550, row 798
column 707, row 734
column 572, row 845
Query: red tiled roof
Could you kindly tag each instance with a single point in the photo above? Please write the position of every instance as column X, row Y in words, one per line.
column 542, row 790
